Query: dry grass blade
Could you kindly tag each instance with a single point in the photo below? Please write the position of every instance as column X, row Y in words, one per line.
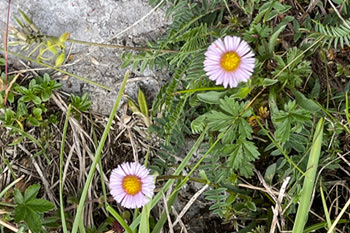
column 183, row 227
column 9, row 226
column 43, row 178
column 171, row 229
column 277, row 210
column 8, row 88
column 190, row 203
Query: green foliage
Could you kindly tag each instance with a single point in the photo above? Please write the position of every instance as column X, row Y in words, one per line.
column 50, row 48
column 262, row 126
column 218, row 196
column 333, row 34
column 240, row 154
column 31, row 209
column 81, row 103
column 142, row 109
column 296, row 71
column 284, row 119
column 31, row 103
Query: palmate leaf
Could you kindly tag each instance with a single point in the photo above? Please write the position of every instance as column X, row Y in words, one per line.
column 31, row 192
column 296, row 70
column 28, row 207
column 285, row 119
column 230, row 117
column 218, row 120
column 240, row 154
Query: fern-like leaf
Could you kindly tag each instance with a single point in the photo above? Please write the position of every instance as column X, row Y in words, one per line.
column 333, row 34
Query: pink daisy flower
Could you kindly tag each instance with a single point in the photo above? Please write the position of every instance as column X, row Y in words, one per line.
column 131, row 185
column 229, row 62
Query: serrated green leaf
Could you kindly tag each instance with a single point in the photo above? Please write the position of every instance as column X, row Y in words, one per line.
column 250, row 150
column 236, row 157
column 282, row 132
column 33, row 220
column 19, row 214
column 245, row 130
column 40, row 205
column 218, row 120
column 18, row 196
column 31, row 192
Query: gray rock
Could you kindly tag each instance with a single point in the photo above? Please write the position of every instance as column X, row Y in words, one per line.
column 97, row 21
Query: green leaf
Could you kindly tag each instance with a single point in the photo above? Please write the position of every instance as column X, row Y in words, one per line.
column 46, row 95
column 142, row 103
column 309, row 180
column 20, row 212
column 251, row 206
column 198, row 124
column 144, row 223
column 245, row 130
column 242, row 93
column 269, row 82
column 283, row 131
column 32, row 219
column 31, row 192
column 40, row 205
column 218, row 120
column 240, row 155
column 211, row 97
column 60, row 59
column 37, row 112
column 133, row 106
column 18, row 196
column 270, row 173
column 33, row 121
column 316, row 89
column 304, row 102
column 273, row 38
column 21, row 110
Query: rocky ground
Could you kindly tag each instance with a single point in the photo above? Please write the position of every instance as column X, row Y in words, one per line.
column 100, row 21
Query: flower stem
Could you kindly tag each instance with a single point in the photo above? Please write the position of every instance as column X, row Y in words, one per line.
column 116, row 46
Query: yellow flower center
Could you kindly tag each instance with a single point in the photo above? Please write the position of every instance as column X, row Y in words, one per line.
column 132, row 185
column 230, row 61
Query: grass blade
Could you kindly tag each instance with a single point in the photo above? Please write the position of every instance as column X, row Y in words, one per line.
column 78, row 216
column 309, row 180
column 63, row 219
